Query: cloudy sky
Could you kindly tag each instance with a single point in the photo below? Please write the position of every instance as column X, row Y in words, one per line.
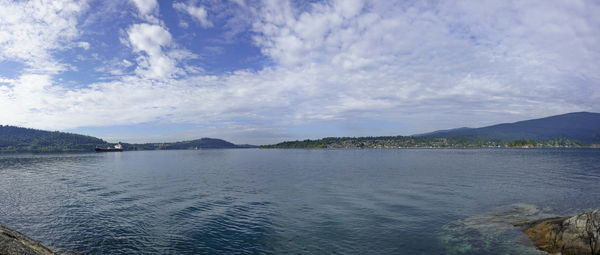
column 266, row 71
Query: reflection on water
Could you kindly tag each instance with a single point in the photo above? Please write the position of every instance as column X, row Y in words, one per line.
column 293, row 201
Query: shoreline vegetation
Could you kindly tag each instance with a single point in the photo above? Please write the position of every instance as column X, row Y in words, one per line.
column 26, row 140
column 571, row 130
column 394, row 142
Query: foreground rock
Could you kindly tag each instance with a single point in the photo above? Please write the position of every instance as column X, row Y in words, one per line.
column 13, row 242
column 577, row 235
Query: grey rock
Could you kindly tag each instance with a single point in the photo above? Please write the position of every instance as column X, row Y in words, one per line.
column 13, row 242
column 577, row 235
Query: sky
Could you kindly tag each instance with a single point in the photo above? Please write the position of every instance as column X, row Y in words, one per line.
column 259, row 72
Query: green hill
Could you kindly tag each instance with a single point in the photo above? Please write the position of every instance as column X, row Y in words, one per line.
column 203, row 143
column 18, row 139
column 578, row 129
column 422, row 142
column 580, row 126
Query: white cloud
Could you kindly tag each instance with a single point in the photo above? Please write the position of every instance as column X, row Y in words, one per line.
column 159, row 57
column 148, row 9
column 6, row 80
column 349, row 8
column 126, row 63
column 114, row 68
column 146, row 6
column 197, row 12
column 150, row 40
column 31, row 30
column 84, row 45
column 425, row 65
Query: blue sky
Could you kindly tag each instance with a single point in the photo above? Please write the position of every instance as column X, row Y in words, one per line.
column 259, row 72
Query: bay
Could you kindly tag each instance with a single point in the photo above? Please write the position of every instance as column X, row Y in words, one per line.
column 257, row 201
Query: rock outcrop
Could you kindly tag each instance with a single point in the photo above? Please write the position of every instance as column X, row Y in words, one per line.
column 13, row 242
column 577, row 235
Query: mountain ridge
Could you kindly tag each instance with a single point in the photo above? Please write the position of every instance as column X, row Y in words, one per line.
column 566, row 130
column 20, row 139
column 580, row 126
column 202, row 143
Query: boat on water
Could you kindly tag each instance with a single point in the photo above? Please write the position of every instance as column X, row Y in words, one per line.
column 117, row 148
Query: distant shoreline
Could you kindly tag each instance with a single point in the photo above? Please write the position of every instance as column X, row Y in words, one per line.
column 400, row 142
column 435, row 148
column 268, row 147
column 92, row 151
column 571, row 130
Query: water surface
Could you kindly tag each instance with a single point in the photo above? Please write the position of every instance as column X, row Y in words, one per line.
column 252, row 201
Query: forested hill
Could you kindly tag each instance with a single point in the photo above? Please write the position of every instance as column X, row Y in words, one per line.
column 578, row 129
column 18, row 139
column 580, row 126
column 203, row 143
column 422, row 142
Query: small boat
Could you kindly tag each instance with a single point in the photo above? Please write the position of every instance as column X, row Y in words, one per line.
column 117, row 148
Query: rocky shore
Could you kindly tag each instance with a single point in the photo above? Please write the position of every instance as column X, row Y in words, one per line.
column 577, row 235
column 13, row 242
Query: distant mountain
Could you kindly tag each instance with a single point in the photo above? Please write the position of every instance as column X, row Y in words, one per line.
column 18, row 139
column 203, row 143
column 383, row 142
column 581, row 126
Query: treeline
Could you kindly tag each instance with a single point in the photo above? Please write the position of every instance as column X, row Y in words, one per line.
column 424, row 142
column 203, row 143
column 17, row 139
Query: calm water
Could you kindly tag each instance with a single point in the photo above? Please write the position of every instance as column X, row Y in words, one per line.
column 255, row 201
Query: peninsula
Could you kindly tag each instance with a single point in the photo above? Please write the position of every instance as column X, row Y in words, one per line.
column 572, row 130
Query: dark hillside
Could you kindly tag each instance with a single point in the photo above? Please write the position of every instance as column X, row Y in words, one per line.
column 581, row 126
column 18, row 139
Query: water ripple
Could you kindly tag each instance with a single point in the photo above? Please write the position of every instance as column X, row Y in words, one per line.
column 281, row 201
